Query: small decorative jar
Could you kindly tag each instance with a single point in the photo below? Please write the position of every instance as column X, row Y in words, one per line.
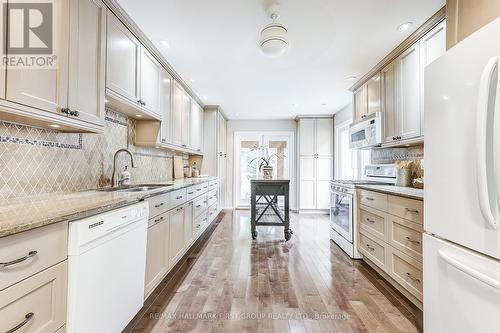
column 267, row 172
column 403, row 177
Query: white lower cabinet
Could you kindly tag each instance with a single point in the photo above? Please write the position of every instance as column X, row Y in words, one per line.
column 177, row 217
column 157, row 263
column 36, row 304
column 188, row 225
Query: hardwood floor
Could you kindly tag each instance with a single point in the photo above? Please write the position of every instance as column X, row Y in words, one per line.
column 305, row 285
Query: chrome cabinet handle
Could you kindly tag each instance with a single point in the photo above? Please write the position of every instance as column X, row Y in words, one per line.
column 198, row 189
column 179, row 197
column 159, row 205
column 180, row 208
column 412, row 240
column 159, row 219
column 190, row 192
column 205, row 219
column 198, row 206
column 412, row 277
column 369, row 198
column 369, row 247
column 409, row 210
column 369, row 220
column 27, row 319
column 30, row 254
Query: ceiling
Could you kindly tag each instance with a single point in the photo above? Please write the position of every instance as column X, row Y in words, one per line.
column 213, row 46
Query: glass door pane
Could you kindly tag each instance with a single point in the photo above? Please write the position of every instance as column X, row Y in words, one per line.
column 249, row 155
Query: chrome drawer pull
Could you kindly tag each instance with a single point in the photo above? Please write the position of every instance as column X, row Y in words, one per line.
column 27, row 319
column 179, row 197
column 190, row 192
column 159, row 219
column 412, row 277
column 369, row 220
column 198, row 189
column 369, row 198
column 412, row 240
column 409, row 210
column 371, row 248
column 17, row 261
column 180, row 208
column 198, row 206
column 159, row 205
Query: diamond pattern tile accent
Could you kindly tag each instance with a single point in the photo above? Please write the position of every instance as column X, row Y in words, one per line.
column 35, row 161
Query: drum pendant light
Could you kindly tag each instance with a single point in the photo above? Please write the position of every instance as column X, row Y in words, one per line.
column 274, row 36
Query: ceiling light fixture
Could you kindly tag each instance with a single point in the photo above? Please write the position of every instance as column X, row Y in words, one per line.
column 324, row 104
column 192, row 80
column 351, row 78
column 164, row 43
column 205, row 97
column 54, row 126
column 405, row 26
column 274, row 36
column 138, row 115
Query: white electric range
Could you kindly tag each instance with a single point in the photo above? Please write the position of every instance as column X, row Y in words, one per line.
column 344, row 205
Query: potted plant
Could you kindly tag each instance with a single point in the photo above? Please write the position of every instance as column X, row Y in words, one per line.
column 264, row 161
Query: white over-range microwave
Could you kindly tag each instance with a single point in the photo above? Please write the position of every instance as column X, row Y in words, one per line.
column 367, row 132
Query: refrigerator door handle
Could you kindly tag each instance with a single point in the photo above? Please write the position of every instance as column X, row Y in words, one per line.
column 482, row 141
column 483, row 277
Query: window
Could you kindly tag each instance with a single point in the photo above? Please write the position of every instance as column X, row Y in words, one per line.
column 349, row 163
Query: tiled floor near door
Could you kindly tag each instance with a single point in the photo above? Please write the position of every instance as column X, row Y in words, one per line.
column 305, row 285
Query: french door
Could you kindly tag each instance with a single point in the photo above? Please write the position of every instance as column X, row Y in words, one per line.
column 249, row 148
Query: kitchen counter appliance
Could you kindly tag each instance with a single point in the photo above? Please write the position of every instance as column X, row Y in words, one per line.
column 343, row 205
column 366, row 133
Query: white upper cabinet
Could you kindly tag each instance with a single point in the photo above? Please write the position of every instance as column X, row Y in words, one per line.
column 87, row 60
column 324, row 136
column 177, row 111
column 123, row 61
column 150, row 83
column 359, row 102
column 166, row 84
column 367, row 98
column 388, row 79
column 196, row 126
column 185, row 120
column 45, row 89
column 409, row 97
column 307, row 137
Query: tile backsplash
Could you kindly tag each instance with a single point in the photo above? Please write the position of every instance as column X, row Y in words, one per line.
column 35, row 160
column 391, row 155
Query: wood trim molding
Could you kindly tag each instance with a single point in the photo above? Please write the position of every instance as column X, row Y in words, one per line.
column 120, row 13
column 435, row 19
column 216, row 108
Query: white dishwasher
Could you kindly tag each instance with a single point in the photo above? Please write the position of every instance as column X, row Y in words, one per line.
column 106, row 266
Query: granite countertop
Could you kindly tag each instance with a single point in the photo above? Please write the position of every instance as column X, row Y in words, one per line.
column 407, row 192
column 22, row 214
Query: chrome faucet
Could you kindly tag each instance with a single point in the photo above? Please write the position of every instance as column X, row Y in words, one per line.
column 114, row 181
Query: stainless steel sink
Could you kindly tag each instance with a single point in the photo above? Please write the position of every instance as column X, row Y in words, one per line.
column 134, row 188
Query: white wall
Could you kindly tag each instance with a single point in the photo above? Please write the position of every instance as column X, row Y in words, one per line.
column 257, row 126
column 343, row 115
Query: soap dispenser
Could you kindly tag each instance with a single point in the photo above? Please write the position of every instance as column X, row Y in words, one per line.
column 125, row 176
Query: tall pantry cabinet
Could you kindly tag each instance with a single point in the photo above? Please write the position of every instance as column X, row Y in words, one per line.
column 315, row 162
column 214, row 148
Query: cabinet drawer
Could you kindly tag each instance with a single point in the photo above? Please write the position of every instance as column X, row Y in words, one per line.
column 157, row 219
column 373, row 199
column 39, row 301
column 200, row 205
column 191, row 193
column 31, row 252
column 406, row 271
column 406, row 236
column 158, row 205
column 213, row 211
column 373, row 249
column 212, row 197
column 177, row 198
column 408, row 209
column 213, row 185
column 373, row 221
column 198, row 224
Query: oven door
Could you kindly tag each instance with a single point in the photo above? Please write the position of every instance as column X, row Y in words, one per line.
column 341, row 214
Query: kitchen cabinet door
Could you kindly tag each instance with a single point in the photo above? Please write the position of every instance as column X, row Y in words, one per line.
column 150, row 82
column 157, row 255
column 373, row 94
column 177, row 111
column 123, row 60
column 87, row 60
column 176, row 243
column 307, row 184
column 307, row 128
column 188, row 225
column 388, row 78
column 165, row 107
column 185, row 120
column 222, row 134
column 432, row 46
column 45, row 89
column 409, row 93
column 359, row 103
column 195, row 126
column 324, row 174
column 324, row 136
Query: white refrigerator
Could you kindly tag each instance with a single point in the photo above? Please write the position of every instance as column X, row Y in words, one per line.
column 462, row 187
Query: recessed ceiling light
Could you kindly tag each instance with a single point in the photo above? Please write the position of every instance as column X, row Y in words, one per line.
column 138, row 115
column 351, row 78
column 295, row 105
column 54, row 126
column 164, row 43
column 192, row 80
column 405, row 26
column 445, row 97
column 205, row 97
column 106, row 101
